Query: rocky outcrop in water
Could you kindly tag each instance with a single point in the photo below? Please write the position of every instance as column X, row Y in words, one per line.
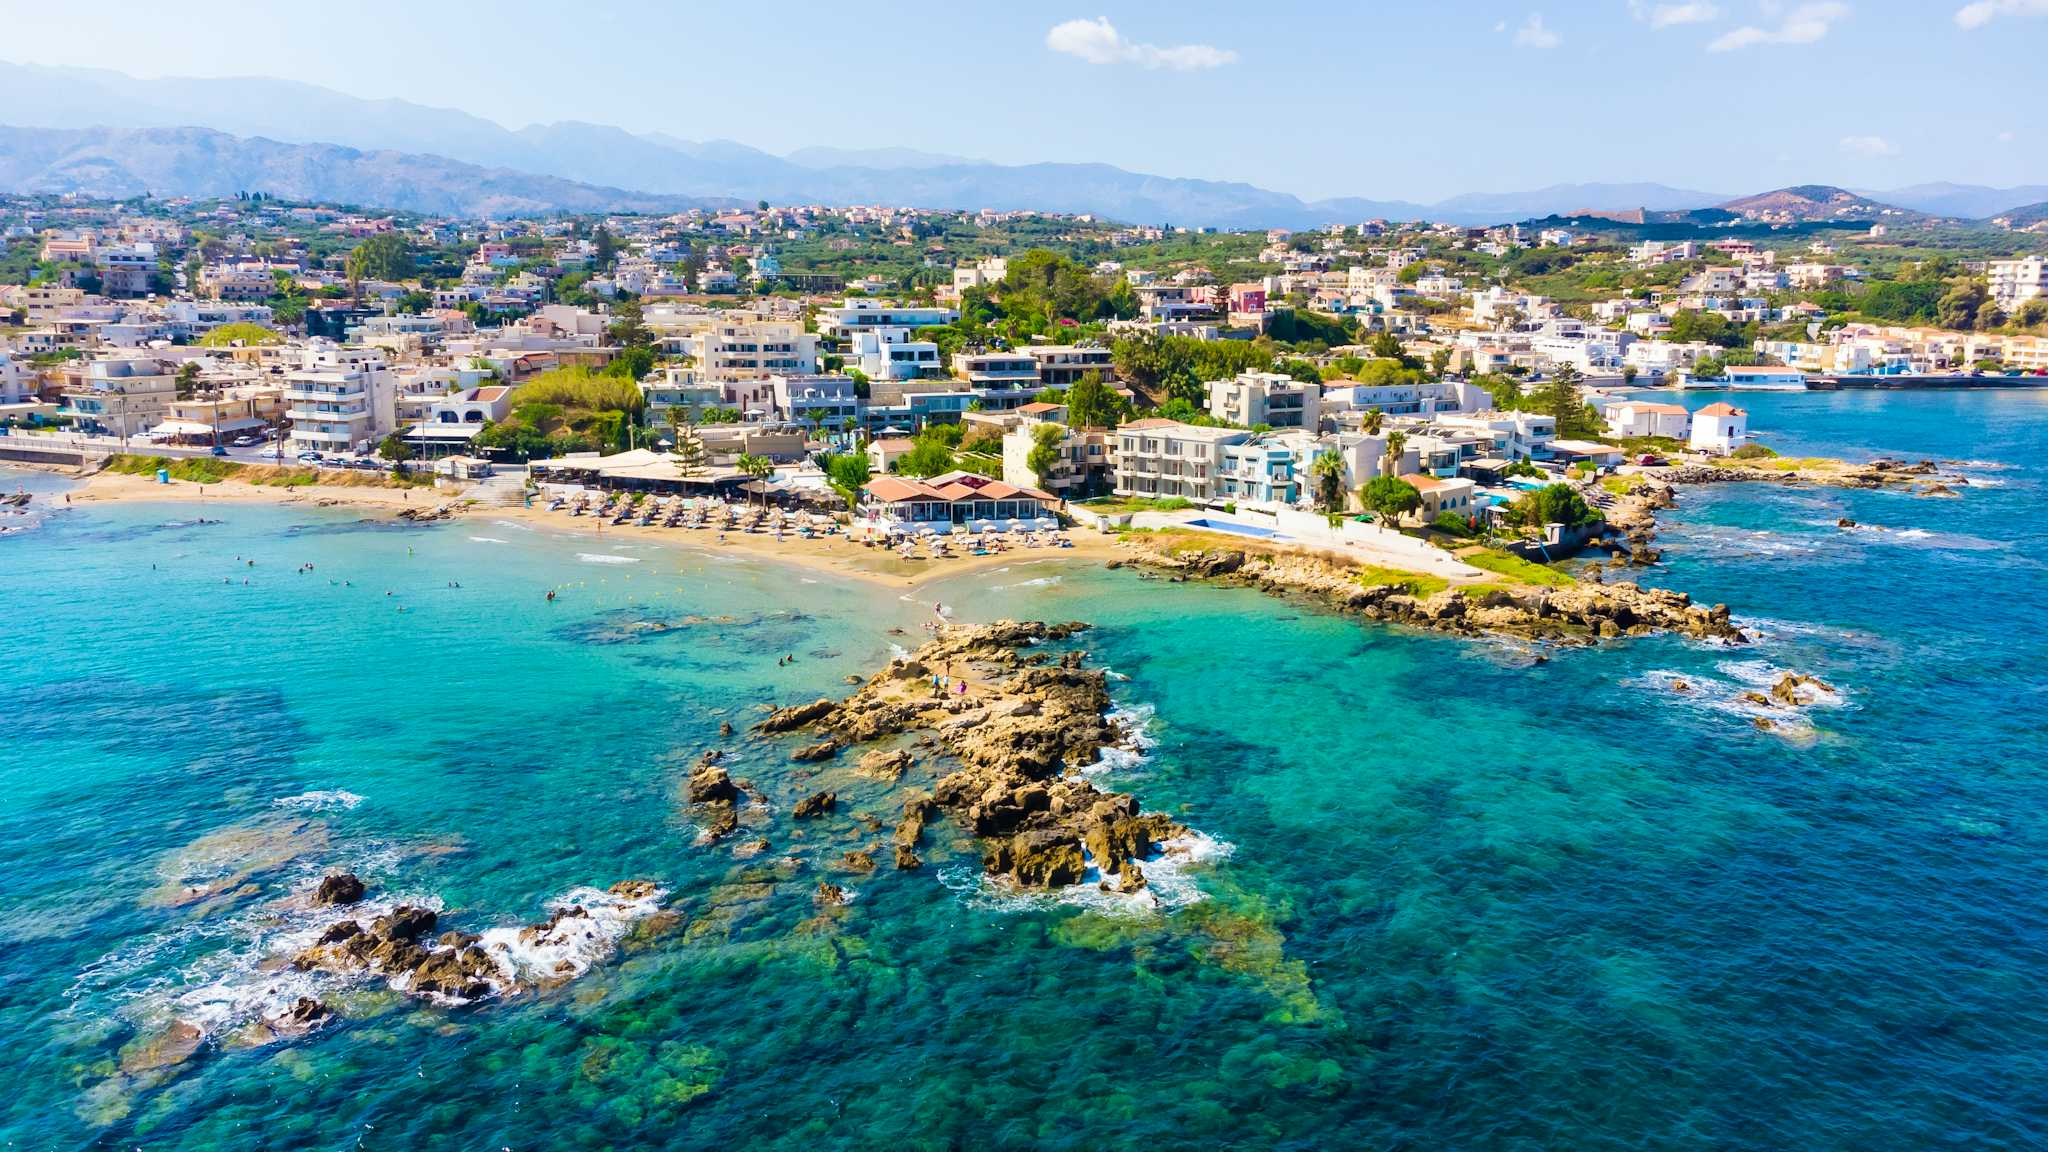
column 815, row 805
column 419, row 515
column 340, row 888
column 400, row 946
column 716, row 799
column 1025, row 724
column 1793, row 690
column 1570, row 614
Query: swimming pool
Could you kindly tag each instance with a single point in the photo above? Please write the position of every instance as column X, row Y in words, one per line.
column 1237, row 529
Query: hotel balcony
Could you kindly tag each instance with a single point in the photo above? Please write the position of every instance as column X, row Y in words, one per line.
column 328, row 415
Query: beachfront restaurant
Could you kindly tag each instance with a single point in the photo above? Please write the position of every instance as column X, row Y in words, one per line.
column 954, row 502
column 640, row 470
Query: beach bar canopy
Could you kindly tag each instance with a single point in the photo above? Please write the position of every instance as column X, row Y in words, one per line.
column 640, row 470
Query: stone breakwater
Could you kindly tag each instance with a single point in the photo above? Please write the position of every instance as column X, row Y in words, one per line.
column 1571, row 614
column 1026, row 725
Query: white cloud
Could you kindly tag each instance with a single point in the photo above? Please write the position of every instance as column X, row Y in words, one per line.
column 1869, row 146
column 1098, row 42
column 1532, row 34
column 2007, row 137
column 1803, row 24
column 1673, row 15
column 1983, row 12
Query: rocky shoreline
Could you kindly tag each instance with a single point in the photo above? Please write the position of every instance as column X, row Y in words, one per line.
column 1023, row 728
column 1634, row 514
column 1576, row 614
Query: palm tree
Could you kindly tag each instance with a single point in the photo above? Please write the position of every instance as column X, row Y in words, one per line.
column 1328, row 470
column 1396, row 441
column 1374, row 421
column 756, row 468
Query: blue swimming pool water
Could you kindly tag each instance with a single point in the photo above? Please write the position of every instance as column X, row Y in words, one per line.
column 1235, row 529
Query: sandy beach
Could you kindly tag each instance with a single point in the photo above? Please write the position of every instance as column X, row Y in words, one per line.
column 834, row 554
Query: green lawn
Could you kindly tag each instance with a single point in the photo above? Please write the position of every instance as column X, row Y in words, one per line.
column 1515, row 568
column 1111, row 505
column 1420, row 585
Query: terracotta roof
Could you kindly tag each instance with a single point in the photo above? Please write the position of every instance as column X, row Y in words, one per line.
column 890, row 489
column 1142, row 425
column 953, row 486
column 1721, row 408
column 1659, row 409
column 1037, row 407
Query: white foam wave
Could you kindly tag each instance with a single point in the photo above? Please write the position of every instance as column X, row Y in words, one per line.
column 488, row 540
column 1761, row 674
column 604, row 558
column 1040, row 582
column 1172, row 880
column 574, row 943
column 1135, row 741
column 514, row 525
column 221, row 975
column 320, row 800
column 898, row 652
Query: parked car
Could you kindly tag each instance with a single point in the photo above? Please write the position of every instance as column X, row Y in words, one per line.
column 247, row 441
column 310, row 458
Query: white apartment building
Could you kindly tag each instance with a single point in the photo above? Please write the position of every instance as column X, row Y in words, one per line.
column 339, row 399
column 449, row 423
column 987, row 271
column 671, row 388
column 1083, row 458
column 14, row 380
column 860, row 314
column 1163, row 458
column 828, row 402
column 417, row 388
column 2014, row 282
column 123, row 395
column 1269, row 398
column 1514, row 435
column 746, row 348
column 1061, row 365
column 1643, row 418
column 125, row 270
column 890, row 354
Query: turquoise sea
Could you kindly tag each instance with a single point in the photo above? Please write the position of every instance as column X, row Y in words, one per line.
column 1454, row 899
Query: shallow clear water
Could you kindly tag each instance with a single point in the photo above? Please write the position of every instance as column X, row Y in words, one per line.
column 1466, row 901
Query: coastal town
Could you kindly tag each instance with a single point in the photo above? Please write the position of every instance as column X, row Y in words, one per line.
column 1162, row 576
column 1002, row 374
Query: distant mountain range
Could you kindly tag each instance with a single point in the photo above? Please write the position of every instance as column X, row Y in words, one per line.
column 317, row 143
column 114, row 164
column 1962, row 201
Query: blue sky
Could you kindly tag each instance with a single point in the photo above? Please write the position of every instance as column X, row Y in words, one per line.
column 1381, row 98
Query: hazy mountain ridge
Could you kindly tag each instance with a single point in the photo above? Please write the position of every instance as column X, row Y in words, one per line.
column 596, row 166
column 665, row 165
column 200, row 162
